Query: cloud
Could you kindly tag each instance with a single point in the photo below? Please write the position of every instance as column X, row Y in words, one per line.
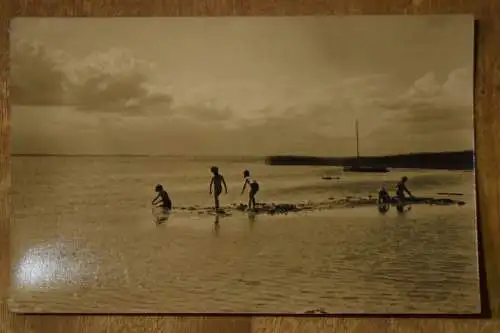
column 322, row 128
column 430, row 105
column 431, row 115
column 112, row 81
column 204, row 113
column 36, row 76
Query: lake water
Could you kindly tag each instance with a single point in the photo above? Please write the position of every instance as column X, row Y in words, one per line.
column 83, row 240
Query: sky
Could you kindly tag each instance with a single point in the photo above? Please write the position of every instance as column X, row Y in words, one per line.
column 242, row 86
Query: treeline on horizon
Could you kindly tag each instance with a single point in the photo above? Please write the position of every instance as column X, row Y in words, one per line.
column 457, row 160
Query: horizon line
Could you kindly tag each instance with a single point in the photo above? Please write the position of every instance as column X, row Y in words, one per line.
column 229, row 156
column 137, row 155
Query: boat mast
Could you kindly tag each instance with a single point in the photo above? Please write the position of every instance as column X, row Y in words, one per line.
column 357, row 139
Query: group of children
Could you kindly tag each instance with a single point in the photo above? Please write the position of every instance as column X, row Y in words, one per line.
column 401, row 189
column 216, row 186
column 217, row 183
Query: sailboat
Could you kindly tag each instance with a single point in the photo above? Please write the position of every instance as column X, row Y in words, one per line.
column 357, row 167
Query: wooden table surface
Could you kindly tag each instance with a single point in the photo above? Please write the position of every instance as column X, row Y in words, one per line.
column 487, row 115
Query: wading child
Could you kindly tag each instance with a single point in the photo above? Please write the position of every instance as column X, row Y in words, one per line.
column 216, row 183
column 162, row 198
column 383, row 196
column 254, row 188
column 401, row 189
column 383, row 201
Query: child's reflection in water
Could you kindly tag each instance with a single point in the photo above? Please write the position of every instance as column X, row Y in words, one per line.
column 216, row 225
column 251, row 219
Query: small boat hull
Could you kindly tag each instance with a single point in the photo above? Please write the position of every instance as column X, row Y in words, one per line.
column 365, row 169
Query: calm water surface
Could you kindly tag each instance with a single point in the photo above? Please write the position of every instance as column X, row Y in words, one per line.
column 83, row 240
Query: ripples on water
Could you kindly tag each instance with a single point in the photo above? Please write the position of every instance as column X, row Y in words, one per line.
column 83, row 240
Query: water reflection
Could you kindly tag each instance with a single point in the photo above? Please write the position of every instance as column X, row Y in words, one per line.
column 216, row 225
column 252, row 217
column 404, row 215
column 416, row 260
column 160, row 214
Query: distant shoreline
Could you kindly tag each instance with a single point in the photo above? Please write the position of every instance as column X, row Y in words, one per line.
column 457, row 160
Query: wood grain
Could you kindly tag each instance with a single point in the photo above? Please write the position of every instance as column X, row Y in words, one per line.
column 487, row 113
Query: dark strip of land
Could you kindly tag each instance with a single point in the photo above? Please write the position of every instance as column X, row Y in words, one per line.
column 457, row 160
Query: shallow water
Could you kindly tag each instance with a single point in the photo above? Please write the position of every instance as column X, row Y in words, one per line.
column 83, row 240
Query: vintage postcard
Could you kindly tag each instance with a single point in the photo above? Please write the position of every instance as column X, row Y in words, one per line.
column 244, row 165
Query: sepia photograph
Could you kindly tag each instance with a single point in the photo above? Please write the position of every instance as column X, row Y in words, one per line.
column 273, row 165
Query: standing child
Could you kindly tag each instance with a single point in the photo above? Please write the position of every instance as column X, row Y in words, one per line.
column 216, row 182
column 254, row 188
column 401, row 189
column 162, row 197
